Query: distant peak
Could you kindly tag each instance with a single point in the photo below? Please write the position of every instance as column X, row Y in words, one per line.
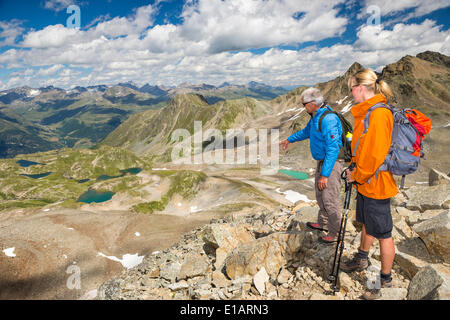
column 354, row 68
column 435, row 57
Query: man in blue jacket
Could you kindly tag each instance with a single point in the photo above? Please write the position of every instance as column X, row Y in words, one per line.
column 325, row 146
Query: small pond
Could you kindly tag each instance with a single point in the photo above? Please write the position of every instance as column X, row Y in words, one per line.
column 124, row 172
column 94, row 196
column 37, row 176
column 27, row 163
column 296, row 174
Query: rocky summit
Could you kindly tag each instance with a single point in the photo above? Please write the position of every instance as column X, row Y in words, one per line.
column 272, row 255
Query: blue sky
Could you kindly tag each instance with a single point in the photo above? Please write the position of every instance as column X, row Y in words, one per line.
column 279, row 42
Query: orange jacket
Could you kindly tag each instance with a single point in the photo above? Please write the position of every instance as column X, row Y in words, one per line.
column 372, row 150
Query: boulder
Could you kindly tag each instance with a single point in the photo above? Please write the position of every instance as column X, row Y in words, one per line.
column 430, row 283
column 409, row 264
column 428, row 198
column 393, row 293
column 224, row 238
column 402, row 227
column 399, row 200
column 284, row 276
column 306, row 214
column 260, row 279
column 435, row 232
column 436, row 177
column 271, row 252
column 346, row 283
column 219, row 280
column 411, row 217
column 170, row 271
column 194, row 265
column 224, row 235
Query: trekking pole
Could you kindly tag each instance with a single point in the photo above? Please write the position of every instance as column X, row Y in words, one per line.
column 334, row 275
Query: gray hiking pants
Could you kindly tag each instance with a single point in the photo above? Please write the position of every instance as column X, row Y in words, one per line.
column 329, row 199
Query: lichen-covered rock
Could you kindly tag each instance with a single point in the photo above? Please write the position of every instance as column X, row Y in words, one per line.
column 436, row 177
column 193, row 265
column 435, row 232
column 430, row 283
column 271, row 252
column 428, row 198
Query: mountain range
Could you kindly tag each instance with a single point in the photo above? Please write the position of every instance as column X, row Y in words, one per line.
column 83, row 116
column 420, row 82
column 143, row 118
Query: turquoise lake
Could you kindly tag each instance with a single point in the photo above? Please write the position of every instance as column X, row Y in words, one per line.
column 37, row 176
column 94, row 196
column 295, row 174
column 124, row 172
column 27, row 163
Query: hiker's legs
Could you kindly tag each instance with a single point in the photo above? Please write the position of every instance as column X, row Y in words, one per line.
column 387, row 252
column 322, row 217
column 366, row 240
column 331, row 200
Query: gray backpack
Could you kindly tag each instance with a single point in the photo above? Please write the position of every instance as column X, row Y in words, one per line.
column 405, row 152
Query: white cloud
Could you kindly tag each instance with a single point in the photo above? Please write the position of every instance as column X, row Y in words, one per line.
column 419, row 7
column 51, row 36
column 58, row 5
column 240, row 24
column 130, row 48
column 50, row 71
column 403, row 37
column 9, row 31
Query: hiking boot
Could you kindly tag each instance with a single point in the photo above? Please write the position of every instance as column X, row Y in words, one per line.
column 373, row 294
column 328, row 239
column 355, row 264
column 315, row 226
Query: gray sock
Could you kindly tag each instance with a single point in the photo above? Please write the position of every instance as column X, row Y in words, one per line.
column 362, row 254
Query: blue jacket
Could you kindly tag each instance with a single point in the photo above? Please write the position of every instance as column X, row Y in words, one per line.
column 324, row 145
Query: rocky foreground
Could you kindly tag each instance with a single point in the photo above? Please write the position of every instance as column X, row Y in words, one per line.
column 273, row 255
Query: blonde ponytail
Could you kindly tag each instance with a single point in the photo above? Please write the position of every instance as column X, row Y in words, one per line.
column 369, row 79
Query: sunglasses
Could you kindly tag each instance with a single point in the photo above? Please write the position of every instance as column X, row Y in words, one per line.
column 305, row 103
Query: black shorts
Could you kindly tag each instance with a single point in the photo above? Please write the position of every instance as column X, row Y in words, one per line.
column 376, row 215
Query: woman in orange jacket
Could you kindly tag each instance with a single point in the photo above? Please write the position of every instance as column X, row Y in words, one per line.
column 375, row 188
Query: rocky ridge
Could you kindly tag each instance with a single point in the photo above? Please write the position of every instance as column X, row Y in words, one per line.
column 273, row 255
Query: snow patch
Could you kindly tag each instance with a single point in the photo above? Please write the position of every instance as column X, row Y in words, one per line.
column 296, row 116
column 90, row 295
column 33, row 93
column 346, row 108
column 159, row 169
column 10, row 252
column 128, row 260
column 293, row 196
column 288, row 110
column 194, row 209
column 342, row 100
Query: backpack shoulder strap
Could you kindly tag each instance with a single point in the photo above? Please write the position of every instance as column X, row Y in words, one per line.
column 366, row 122
column 327, row 112
column 374, row 107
